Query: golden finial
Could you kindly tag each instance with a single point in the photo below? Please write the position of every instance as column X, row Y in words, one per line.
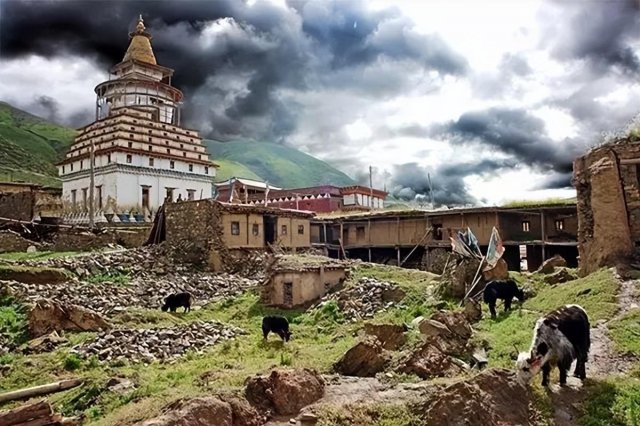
column 140, row 27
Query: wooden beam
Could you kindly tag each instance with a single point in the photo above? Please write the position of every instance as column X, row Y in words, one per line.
column 40, row 390
column 630, row 161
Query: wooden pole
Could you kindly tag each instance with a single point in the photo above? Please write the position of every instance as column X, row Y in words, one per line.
column 543, row 235
column 369, row 237
column 417, row 245
column 370, row 188
column 40, row 390
column 473, row 282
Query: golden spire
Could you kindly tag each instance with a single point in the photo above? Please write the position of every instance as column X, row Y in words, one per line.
column 140, row 46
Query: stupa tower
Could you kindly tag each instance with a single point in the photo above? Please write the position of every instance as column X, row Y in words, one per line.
column 141, row 153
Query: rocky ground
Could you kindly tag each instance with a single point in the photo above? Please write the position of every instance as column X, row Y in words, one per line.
column 151, row 344
column 144, row 291
column 420, row 367
column 365, row 299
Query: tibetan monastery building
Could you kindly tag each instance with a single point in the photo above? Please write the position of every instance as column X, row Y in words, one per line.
column 142, row 153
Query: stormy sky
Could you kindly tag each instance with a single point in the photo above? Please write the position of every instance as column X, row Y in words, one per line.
column 492, row 99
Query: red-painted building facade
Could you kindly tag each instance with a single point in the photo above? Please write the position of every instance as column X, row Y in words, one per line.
column 319, row 199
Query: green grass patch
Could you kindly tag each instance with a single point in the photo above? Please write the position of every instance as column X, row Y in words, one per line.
column 419, row 287
column 541, row 203
column 612, row 403
column 13, row 323
column 625, row 332
column 360, row 414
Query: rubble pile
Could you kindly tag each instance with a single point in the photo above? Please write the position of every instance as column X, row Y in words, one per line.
column 163, row 344
column 144, row 292
column 365, row 299
column 143, row 261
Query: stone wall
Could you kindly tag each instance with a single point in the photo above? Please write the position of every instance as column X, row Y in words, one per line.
column 194, row 231
column 12, row 241
column 17, row 205
column 608, row 205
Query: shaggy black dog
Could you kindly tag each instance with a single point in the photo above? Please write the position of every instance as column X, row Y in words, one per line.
column 505, row 290
column 177, row 300
column 276, row 324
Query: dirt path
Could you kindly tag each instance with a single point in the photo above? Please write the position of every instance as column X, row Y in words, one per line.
column 345, row 390
column 603, row 360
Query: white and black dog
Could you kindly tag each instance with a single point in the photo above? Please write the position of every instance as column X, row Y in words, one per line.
column 559, row 337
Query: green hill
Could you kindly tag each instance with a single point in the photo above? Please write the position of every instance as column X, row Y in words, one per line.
column 278, row 164
column 29, row 146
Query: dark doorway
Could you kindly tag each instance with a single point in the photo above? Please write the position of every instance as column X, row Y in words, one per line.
column 145, row 197
column 270, row 223
column 287, row 294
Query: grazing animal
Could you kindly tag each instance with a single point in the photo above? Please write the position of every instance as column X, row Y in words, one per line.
column 177, row 300
column 276, row 324
column 559, row 337
column 505, row 290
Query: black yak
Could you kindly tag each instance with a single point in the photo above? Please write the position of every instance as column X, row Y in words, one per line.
column 504, row 290
column 177, row 300
column 559, row 337
column 276, row 324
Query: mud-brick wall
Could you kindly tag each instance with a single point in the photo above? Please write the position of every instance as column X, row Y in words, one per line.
column 604, row 233
column 17, row 205
column 194, row 229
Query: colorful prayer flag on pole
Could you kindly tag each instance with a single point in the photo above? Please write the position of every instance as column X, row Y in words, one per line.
column 495, row 250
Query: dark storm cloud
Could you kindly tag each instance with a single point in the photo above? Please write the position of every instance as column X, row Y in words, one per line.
column 410, row 181
column 233, row 59
column 600, row 32
column 509, row 131
column 556, row 181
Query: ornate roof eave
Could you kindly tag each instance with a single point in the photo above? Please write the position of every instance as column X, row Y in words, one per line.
column 165, row 70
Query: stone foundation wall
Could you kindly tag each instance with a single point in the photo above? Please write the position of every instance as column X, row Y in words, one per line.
column 608, row 206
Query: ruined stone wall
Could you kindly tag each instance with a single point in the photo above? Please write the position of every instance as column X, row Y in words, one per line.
column 604, row 233
column 17, row 205
column 194, row 231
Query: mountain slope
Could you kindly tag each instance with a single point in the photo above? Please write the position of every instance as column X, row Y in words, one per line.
column 30, row 145
column 278, row 164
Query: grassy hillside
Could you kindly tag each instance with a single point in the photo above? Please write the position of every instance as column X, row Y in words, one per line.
column 29, row 146
column 278, row 164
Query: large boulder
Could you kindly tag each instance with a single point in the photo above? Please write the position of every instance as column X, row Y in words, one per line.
column 492, row 398
column 562, row 275
column 365, row 359
column 472, row 310
column 391, row 336
column 498, row 272
column 47, row 316
column 195, row 412
column 429, row 361
column 285, row 392
column 549, row 265
column 242, row 412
